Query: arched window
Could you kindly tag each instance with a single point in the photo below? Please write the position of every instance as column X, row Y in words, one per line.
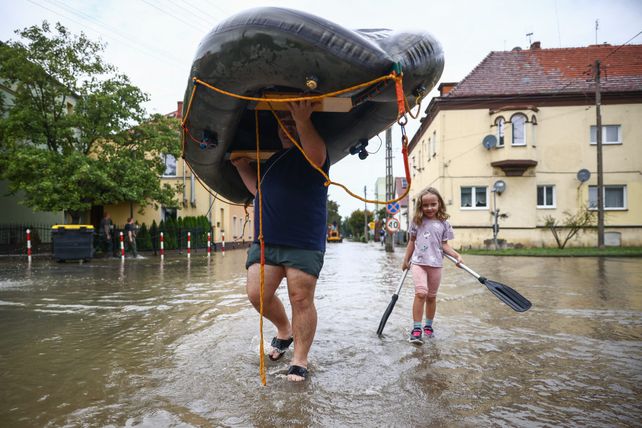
column 518, row 122
column 500, row 122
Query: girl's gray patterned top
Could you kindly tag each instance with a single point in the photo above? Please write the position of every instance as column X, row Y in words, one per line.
column 429, row 237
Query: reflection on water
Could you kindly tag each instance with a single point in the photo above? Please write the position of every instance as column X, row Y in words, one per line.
column 170, row 343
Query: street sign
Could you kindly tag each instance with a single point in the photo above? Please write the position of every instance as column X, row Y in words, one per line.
column 393, row 225
column 371, row 225
column 393, row 208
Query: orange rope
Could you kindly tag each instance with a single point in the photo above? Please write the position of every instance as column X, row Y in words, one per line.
column 262, row 242
column 329, row 182
column 401, row 104
column 391, row 76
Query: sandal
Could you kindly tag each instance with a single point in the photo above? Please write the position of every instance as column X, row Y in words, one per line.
column 280, row 346
column 298, row 371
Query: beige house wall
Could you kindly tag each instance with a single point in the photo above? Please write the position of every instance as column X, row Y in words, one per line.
column 560, row 143
column 195, row 200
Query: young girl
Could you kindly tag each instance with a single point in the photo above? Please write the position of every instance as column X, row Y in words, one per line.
column 429, row 235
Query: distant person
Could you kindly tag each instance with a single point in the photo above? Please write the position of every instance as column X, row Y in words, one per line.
column 294, row 229
column 382, row 235
column 429, row 235
column 104, row 233
column 130, row 233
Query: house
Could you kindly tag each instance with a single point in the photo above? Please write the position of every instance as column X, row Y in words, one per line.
column 514, row 143
column 229, row 221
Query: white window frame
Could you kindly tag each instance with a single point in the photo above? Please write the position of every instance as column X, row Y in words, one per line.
column 547, row 188
column 500, row 122
column 593, row 191
column 473, row 194
column 604, row 133
column 523, row 143
column 165, row 157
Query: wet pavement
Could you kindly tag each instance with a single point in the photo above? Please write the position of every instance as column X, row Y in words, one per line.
column 155, row 344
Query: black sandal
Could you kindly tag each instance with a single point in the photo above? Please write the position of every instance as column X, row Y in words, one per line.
column 280, row 346
column 298, row 371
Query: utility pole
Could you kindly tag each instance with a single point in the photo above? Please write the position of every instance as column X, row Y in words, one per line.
column 389, row 186
column 365, row 215
column 600, row 172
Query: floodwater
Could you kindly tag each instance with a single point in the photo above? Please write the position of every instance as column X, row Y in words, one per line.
column 155, row 344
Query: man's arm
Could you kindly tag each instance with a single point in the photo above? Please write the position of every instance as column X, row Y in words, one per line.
column 311, row 141
column 247, row 173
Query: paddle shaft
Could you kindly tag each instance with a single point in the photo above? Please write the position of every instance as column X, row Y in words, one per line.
column 392, row 303
column 503, row 292
column 464, row 267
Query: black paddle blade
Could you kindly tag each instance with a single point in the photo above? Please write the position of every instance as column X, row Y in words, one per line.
column 386, row 314
column 507, row 295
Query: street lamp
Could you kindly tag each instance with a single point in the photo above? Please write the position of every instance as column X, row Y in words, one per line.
column 498, row 187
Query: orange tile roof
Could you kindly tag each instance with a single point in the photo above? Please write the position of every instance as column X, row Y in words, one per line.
column 551, row 71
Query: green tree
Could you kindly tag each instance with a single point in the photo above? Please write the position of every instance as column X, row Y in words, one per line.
column 75, row 133
column 355, row 223
column 333, row 213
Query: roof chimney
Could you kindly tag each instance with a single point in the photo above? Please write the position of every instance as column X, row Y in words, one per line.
column 179, row 110
column 446, row 87
column 536, row 45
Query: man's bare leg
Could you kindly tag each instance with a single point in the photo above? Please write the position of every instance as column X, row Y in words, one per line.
column 273, row 308
column 301, row 288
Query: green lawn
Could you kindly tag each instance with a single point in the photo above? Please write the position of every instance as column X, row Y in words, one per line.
column 566, row 252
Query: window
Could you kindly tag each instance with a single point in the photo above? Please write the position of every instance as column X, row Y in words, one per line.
column 473, row 197
column 545, row 196
column 519, row 129
column 610, row 134
column 434, row 143
column 170, row 166
column 500, row 122
column 614, row 197
column 430, row 148
column 234, row 227
column 167, row 213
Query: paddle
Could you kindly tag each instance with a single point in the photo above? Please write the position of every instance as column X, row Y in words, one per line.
column 503, row 292
column 391, row 305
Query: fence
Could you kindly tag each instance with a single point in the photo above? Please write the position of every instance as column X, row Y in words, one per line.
column 13, row 239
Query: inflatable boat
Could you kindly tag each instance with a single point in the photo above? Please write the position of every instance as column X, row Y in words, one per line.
column 281, row 51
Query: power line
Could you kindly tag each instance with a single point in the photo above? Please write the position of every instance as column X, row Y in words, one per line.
column 160, row 55
column 184, row 12
column 223, row 10
column 622, row 45
column 202, row 13
column 170, row 14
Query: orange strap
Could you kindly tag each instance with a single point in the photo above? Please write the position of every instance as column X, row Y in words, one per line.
column 262, row 242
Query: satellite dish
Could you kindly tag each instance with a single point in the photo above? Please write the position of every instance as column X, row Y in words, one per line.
column 583, row 175
column 499, row 186
column 489, row 141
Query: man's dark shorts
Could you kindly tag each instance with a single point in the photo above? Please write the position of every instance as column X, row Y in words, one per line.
column 308, row 261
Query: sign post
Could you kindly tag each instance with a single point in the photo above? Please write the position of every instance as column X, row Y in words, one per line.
column 393, row 225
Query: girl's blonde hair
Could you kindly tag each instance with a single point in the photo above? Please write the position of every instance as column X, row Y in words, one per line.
column 441, row 211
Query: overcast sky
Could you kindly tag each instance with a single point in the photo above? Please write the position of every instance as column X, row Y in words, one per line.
column 153, row 41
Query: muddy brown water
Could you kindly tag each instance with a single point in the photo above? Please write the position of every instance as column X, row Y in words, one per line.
column 156, row 344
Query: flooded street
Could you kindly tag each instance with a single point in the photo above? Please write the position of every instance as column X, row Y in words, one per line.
column 176, row 344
